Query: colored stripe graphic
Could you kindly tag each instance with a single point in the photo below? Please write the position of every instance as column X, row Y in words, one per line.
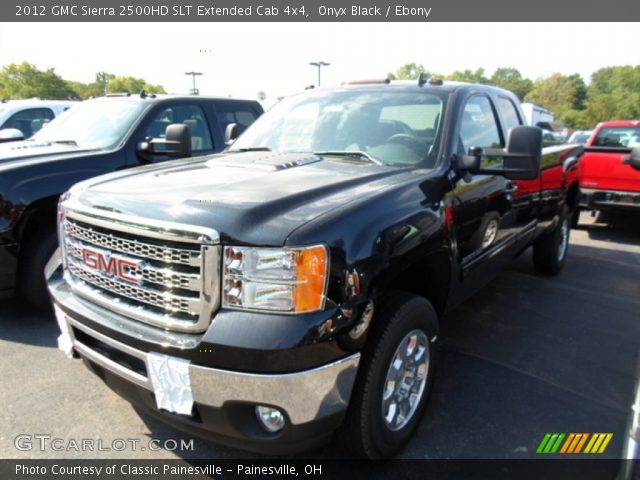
column 582, row 442
column 550, row 443
column 598, row 443
column 573, row 443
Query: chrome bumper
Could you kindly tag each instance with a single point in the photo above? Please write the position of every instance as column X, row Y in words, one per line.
column 593, row 198
column 305, row 396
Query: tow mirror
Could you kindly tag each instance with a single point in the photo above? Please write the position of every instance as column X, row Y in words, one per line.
column 10, row 135
column 633, row 159
column 230, row 134
column 524, row 150
column 520, row 159
column 176, row 144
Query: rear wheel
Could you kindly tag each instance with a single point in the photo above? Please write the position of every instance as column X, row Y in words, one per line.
column 34, row 256
column 394, row 380
column 550, row 250
column 487, row 232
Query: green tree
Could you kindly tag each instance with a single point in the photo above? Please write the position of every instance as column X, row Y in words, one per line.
column 559, row 93
column 132, row 85
column 511, row 79
column 24, row 80
column 408, row 71
column 102, row 81
column 614, row 93
column 472, row 76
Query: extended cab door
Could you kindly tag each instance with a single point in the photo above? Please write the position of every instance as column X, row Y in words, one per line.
column 489, row 215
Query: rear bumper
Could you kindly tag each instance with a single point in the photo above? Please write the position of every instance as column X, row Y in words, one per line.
column 313, row 401
column 8, row 269
column 609, row 199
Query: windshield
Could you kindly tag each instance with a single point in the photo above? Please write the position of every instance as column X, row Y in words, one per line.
column 618, row 137
column 94, row 124
column 393, row 127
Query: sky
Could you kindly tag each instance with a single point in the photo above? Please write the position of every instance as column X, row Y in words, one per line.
column 242, row 59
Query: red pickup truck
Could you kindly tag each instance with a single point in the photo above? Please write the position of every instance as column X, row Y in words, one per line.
column 609, row 170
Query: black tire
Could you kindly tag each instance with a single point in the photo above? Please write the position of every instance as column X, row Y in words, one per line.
column 550, row 250
column 490, row 219
column 365, row 432
column 35, row 254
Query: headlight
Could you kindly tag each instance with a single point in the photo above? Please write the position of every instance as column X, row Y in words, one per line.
column 276, row 279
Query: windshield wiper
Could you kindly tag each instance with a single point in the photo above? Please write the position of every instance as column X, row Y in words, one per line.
column 351, row 153
column 66, row 142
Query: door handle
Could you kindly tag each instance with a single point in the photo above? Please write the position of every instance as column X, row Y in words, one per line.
column 510, row 188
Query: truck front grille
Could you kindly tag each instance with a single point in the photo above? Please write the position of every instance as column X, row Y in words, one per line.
column 172, row 284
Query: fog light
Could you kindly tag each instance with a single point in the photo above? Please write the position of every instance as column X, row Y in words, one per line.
column 270, row 418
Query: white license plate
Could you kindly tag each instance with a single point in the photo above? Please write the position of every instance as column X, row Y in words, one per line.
column 171, row 384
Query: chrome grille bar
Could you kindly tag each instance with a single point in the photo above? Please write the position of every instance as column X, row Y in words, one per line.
column 174, row 286
column 165, row 277
column 132, row 247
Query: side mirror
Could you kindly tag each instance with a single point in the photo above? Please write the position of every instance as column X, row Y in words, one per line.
column 523, row 153
column 10, row 135
column 176, row 144
column 230, row 134
column 633, row 159
column 520, row 159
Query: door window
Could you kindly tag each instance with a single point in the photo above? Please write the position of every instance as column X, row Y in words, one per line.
column 242, row 117
column 509, row 113
column 479, row 127
column 29, row 121
column 191, row 115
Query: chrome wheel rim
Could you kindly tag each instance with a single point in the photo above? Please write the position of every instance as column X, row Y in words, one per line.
column 406, row 380
column 564, row 239
column 490, row 233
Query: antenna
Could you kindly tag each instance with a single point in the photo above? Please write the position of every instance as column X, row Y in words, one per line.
column 422, row 79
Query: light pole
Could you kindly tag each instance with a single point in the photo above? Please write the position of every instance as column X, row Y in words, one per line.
column 319, row 65
column 194, row 90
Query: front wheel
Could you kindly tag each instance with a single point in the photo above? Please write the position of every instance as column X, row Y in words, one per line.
column 395, row 378
column 550, row 250
column 31, row 282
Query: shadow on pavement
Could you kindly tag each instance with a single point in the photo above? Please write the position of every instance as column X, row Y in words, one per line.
column 19, row 322
column 613, row 226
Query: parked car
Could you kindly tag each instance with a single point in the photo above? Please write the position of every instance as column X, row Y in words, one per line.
column 19, row 119
column 292, row 286
column 94, row 137
column 580, row 137
column 609, row 179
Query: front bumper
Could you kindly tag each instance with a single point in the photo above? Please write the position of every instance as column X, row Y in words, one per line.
column 8, row 269
column 609, row 199
column 313, row 400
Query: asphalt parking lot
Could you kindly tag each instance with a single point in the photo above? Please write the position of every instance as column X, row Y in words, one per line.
column 525, row 356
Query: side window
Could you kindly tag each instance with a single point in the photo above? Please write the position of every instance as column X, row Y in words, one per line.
column 29, row 121
column 229, row 113
column 509, row 113
column 191, row 115
column 479, row 127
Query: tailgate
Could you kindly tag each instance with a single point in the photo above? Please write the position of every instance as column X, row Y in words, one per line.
column 603, row 169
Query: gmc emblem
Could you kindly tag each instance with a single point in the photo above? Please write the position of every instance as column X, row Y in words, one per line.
column 112, row 265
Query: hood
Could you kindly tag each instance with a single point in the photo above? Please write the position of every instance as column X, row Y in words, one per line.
column 250, row 198
column 32, row 150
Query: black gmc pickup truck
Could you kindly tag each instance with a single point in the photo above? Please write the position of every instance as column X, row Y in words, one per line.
column 292, row 286
column 95, row 137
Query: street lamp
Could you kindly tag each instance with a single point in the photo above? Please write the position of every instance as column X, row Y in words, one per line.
column 319, row 65
column 194, row 90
